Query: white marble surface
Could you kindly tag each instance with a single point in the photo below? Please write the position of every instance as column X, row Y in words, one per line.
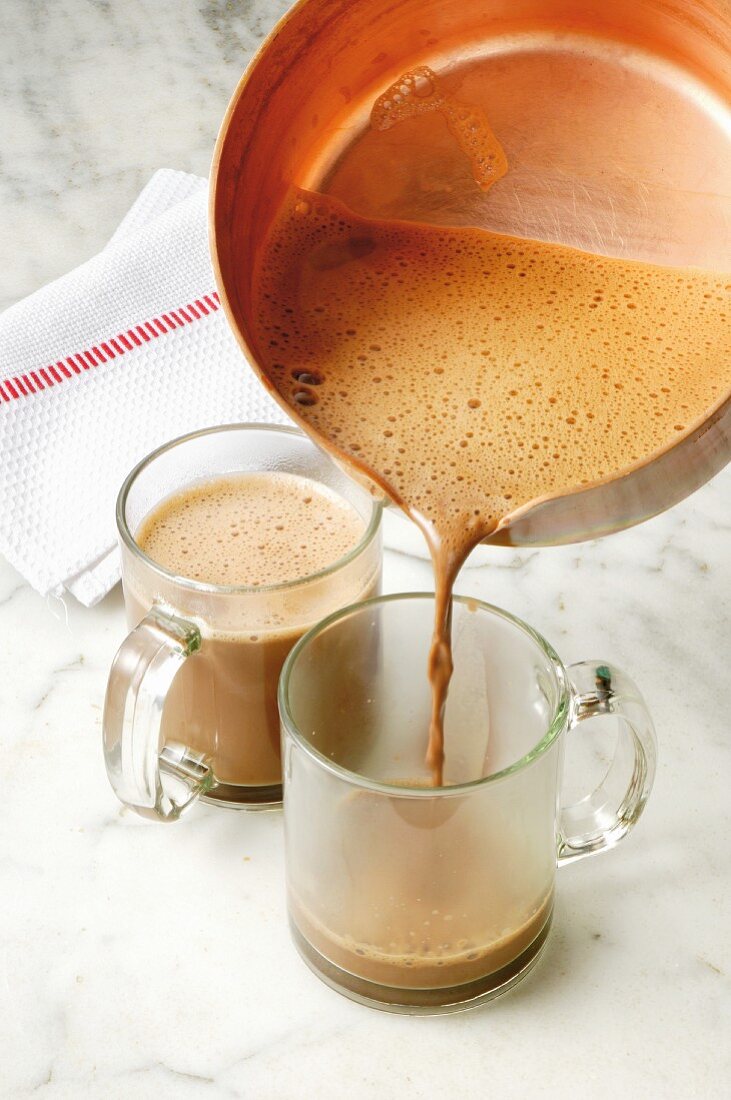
column 144, row 961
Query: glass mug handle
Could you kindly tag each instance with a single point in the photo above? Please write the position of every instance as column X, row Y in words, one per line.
column 157, row 780
column 604, row 817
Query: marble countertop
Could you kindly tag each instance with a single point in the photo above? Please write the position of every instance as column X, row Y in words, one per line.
column 144, row 961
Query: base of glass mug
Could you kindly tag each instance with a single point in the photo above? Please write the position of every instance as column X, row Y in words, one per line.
column 422, row 1002
column 239, row 797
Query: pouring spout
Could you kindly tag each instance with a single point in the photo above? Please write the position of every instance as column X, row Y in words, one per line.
column 639, row 494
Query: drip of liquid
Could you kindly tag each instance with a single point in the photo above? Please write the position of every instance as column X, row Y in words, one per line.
column 418, row 92
column 470, row 373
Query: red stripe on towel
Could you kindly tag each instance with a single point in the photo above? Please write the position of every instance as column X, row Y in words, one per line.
column 114, row 347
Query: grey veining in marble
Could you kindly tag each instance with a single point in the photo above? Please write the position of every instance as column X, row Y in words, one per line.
column 142, row 961
column 95, row 96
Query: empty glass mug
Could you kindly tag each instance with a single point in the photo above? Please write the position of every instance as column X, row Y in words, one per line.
column 191, row 703
column 420, row 899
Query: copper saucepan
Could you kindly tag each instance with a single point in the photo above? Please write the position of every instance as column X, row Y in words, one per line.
column 616, row 119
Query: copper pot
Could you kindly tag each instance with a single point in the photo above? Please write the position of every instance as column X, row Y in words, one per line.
column 616, row 119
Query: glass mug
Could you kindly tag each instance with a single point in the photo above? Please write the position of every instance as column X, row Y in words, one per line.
column 419, row 899
column 191, row 702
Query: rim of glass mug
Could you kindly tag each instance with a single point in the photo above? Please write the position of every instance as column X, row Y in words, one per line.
column 201, row 586
column 555, row 726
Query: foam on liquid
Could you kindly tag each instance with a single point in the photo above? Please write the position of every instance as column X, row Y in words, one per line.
column 470, row 373
column 419, row 92
column 253, row 529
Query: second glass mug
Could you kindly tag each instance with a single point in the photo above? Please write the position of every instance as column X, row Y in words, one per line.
column 423, row 900
column 191, row 706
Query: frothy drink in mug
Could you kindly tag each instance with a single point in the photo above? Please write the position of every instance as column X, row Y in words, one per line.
column 263, row 531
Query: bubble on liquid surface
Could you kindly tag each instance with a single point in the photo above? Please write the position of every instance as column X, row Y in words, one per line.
column 251, row 529
column 307, row 378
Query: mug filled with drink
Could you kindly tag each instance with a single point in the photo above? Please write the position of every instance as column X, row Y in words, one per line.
column 234, row 542
column 425, row 898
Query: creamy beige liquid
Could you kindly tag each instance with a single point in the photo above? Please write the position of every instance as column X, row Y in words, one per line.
column 470, row 372
column 252, row 529
column 255, row 529
column 418, row 963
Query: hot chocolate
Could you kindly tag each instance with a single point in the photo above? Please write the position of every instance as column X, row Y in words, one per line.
column 258, row 530
column 470, row 373
column 254, row 529
column 416, row 962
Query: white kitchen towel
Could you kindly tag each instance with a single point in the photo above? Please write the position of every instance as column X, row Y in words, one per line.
column 97, row 369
